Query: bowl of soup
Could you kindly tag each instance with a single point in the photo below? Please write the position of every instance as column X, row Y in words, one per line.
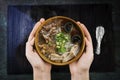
column 59, row 40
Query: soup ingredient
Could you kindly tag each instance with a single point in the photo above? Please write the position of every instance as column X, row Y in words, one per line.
column 76, row 38
column 73, row 52
column 68, row 26
column 47, row 49
column 68, row 45
column 49, row 30
column 61, row 39
column 75, row 49
column 55, row 57
column 66, row 56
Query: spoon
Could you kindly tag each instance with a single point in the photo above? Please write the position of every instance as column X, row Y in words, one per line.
column 100, row 31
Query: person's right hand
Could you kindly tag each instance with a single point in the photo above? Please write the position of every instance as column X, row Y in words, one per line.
column 41, row 69
column 80, row 69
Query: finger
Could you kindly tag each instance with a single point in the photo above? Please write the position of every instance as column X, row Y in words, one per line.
column 85, row 30
column 89, row 50
column 32, row 41
column 29, row 45
column 87, row 34
column 89, row 47
column 78, row 23
column 42, row 20
column 32, row 34
column 29, row 48
column 37, row 25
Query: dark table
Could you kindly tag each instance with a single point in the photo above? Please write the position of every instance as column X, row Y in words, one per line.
column 21, row 20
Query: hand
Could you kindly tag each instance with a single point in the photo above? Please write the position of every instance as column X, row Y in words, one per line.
column 41, row 69
column 80, row 69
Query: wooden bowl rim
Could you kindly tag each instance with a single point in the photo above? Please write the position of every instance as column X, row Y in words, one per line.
column 56, row 63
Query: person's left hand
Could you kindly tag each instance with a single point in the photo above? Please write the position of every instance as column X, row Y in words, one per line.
column 38, row 65
column 80, row 68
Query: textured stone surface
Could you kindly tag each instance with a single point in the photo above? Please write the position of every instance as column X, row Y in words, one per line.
column 58, row 76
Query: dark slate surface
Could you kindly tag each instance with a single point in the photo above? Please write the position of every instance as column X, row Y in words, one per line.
column 94, row 76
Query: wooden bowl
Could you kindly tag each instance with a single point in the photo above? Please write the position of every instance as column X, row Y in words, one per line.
column 82, row 45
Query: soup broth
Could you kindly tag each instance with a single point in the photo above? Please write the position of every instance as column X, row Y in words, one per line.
column 59, row 40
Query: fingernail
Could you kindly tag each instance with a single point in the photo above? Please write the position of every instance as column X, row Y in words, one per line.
column 42, row 20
